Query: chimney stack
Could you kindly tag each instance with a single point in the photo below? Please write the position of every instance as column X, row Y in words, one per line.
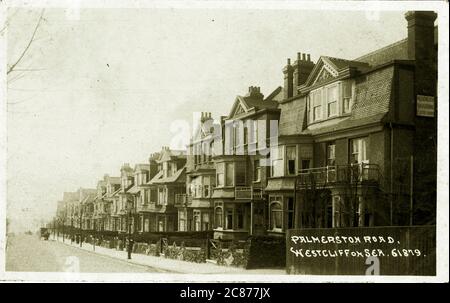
column 421, row 49
column 254, row 92
column 288, row 72
column 301, row 70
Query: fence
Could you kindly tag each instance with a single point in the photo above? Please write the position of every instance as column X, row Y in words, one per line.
column 362, row 250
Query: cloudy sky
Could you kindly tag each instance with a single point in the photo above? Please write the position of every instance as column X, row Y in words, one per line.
column 107, row 84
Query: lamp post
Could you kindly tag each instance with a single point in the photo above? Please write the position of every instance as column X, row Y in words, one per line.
column 71, row 229
column 130, row 212
column 81, row 226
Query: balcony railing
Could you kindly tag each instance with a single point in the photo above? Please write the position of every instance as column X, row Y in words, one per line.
column 247, row 193
column 182, row 199
column 351, row 174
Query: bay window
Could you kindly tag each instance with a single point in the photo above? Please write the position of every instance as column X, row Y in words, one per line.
column 316, row 105
column 218, row 216
column 256, row 171
column 291, row 159
column 205, row 221
column 229, row 174
column 332, row 100
column 276, row 216
column 276, row 155
column 220, row 175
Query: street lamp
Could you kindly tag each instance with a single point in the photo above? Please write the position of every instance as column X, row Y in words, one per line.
column 130, row 211
column 81, row 226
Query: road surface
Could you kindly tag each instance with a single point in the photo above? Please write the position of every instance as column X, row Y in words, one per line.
column 30, row 254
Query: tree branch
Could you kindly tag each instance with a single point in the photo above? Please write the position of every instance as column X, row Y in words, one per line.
column 11, row 68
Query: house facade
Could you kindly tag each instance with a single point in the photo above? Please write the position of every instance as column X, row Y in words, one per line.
column 157, row 211
column 344, row 143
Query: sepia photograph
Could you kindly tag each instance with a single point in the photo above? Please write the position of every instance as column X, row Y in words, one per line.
column 224, row 141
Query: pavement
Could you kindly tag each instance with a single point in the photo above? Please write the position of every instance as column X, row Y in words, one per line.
column 27, row 253
column 170, row 265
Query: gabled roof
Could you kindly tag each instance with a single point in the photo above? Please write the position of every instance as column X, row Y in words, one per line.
column 330, row 67
column 156, row 177
column 115, row 193
column 88, row 198
column 243, row 105
column 134, row 189
column 178, row 176
column 170, row 154
column 276, row 95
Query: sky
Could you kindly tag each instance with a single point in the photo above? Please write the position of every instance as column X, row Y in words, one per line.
column 107, row 84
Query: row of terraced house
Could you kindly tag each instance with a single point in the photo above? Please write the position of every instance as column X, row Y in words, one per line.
column 343, row 143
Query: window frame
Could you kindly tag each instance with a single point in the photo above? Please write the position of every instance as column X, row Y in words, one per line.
column 295, row 160
column 336, row 101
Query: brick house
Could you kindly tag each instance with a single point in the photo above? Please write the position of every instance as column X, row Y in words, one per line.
column 138, row 192
column 126, row 198
column 348, row 130
column 195, row 207
column 103, row 204
column 239, row 205
column 355, row 146
column 157, row 211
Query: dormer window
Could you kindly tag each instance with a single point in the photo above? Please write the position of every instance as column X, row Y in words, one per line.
column 330, row 101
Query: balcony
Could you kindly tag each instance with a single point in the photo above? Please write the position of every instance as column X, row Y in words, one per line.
column 344, row 174
column 182, row 200
column 247, row 193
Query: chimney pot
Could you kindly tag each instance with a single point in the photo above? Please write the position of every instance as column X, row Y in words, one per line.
column 289, row 61
column 309, row 57
column 304, row 57
column 299, row 56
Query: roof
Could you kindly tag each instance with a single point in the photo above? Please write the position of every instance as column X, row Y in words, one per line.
column 371, row 105
column 115, row 193
column 169, row 154
column 292, row 117
column 276, row 95
column 340, row 63
column 178, row 176
column 88, row 198
column 142, row 167
column 330, row 67
column 245, row 104
column 134, row 189
column 394, row 51
column 114, row 180
column 156, row 177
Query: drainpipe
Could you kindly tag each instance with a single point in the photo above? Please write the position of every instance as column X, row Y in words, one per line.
column 391, row 173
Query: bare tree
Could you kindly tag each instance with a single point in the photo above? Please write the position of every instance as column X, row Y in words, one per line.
column 13, row 67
